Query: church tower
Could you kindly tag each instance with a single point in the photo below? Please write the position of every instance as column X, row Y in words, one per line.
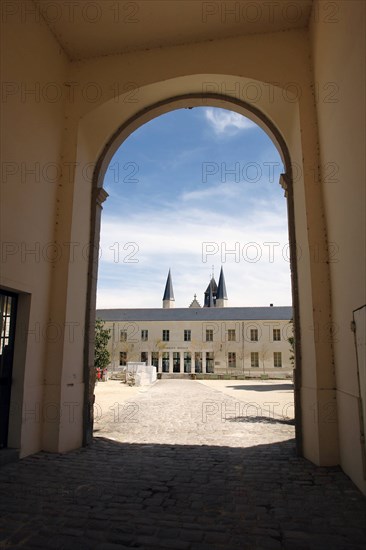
column 168, row 298
column 221, row 296
column 210, row 293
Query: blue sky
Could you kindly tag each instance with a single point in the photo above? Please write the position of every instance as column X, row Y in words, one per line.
column 184, row 190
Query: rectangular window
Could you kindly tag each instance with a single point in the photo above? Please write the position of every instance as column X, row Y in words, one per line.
column 187, row 361
column 209, row 335
column 155, row 359
column 165, row 361
column 187, row 335
column 123, row 358
column 277, row 359
column 144, row 335
column 7, row 315
column 254, row 335
column 231, row 335
column 144, row 357
column 176, row 361
column 165, row 335
column 209, row 362
column 123, row 336
column 198, row 361
column 232, row 359
column 254, row 359
column 276, row 335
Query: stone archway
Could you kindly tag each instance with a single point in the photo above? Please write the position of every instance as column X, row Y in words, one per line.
column 99, row 195
column 101, row 86
column 92, row 134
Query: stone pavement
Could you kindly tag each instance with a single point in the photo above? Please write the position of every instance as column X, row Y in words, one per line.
column 188, row 468
column 187, row 412
column 274, row 398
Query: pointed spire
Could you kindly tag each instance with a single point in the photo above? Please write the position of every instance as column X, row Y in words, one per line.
column 221, row 289
column 168, row 293
column 212, row 284
column 210, row 298
column 212, row 288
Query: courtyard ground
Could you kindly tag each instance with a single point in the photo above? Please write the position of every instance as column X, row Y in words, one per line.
column 183, row 464
column 217, row 412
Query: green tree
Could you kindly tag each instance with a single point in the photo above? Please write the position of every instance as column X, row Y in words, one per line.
column 291, row 341
column 101, row 354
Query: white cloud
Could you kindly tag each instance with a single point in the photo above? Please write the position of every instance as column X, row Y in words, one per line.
column 257, row 275
column 223, row 191
column 141, row 241
column 227, row 122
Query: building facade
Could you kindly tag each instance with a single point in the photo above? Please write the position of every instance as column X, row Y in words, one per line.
column 213, row 339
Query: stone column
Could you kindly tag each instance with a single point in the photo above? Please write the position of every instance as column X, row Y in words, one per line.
column 181, row 354
column 204, row 362
column 99, row 196
column 160, row 362
column 170, row 362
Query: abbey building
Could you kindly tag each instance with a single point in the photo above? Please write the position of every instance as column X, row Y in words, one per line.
column 210, row 339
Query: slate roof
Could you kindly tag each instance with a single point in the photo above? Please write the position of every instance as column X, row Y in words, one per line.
column 168, row 293
column 221, row 289
column 210, row 293
column 275, row 313
column 213, row 285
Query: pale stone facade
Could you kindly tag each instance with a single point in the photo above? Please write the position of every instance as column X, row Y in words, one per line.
column 214, row 339
column 145, row 342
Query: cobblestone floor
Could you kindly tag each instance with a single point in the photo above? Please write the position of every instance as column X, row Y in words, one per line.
column 187, row 468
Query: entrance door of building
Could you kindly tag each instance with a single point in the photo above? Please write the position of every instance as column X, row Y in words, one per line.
column 8, row 303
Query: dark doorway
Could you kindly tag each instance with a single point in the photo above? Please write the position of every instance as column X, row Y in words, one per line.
column 8, row 304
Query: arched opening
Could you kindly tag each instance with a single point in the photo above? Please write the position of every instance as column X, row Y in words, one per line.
column 123, row 132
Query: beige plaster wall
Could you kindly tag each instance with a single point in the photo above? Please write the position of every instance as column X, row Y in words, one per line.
column 34, row 70
column 339, row 73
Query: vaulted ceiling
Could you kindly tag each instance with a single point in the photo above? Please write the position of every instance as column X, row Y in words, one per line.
column 86, row 28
